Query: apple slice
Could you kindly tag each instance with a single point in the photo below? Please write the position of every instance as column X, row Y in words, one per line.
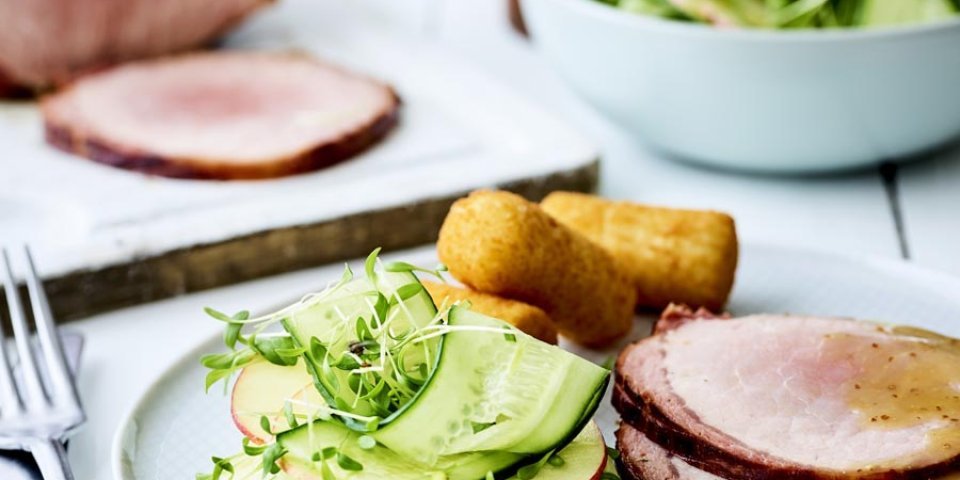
column 585, row 458
column 262, row 389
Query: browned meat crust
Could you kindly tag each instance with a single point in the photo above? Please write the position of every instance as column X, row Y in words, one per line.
column 719, row 458
column 676, row 315
column 64, row 137
column 639, row 463
column 57, row 45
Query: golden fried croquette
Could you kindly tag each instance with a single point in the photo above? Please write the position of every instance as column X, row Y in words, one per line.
column 680, row 256
column 499, row 243
column 529, row 319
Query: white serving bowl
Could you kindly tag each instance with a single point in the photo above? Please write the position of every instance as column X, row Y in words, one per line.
column 772, row 101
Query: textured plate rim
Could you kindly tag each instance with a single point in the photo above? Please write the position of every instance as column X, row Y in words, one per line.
column 936, row 281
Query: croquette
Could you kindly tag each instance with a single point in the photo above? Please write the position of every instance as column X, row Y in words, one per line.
column 680, row 256
column 499, row 243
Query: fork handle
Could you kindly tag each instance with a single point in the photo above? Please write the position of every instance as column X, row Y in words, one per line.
column 51, row 457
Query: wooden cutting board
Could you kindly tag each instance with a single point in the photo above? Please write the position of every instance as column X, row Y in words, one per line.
column 108, row 238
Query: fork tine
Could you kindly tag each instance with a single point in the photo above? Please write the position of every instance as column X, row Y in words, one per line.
column 21, row 333
column 9, row 400
column 62, row 386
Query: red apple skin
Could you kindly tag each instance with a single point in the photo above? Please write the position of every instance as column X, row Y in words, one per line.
column 264, row 387
column 603, row 468
column 247, row 432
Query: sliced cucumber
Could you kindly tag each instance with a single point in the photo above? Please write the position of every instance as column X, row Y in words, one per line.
column 378, row 462
column 496, row 392
column 585, row 458
column 335, row 323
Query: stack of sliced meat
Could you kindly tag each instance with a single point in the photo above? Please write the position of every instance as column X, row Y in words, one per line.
column 788, row 397
column 223, row 115
column 44, row 43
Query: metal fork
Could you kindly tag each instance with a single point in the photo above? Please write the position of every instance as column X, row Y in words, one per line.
column 38, row 415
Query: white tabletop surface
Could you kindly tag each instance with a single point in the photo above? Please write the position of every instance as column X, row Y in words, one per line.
column 855, row 212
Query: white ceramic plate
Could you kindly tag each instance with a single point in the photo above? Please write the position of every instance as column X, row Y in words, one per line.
column 175, row 428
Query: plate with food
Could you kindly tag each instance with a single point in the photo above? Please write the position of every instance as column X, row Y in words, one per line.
column 534, row 347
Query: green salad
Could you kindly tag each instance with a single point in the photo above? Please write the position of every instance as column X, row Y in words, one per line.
column 795, row 13
column 371, row 380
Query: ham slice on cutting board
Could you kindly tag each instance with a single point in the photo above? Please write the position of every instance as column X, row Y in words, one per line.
column 791, row 397
column 226, row 115
column 47, row 42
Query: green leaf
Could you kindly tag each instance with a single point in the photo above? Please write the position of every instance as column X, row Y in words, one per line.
column 328, row 452
column 252, row 450
column 273, row 349
column 609, row 476
column 231, row 334
column 218, row 360
column 530, row 471
column 223, row 317
column 400, row 267
column 330, row 379
column 380, row 309
column 363, row 331
column 613, row 453
column 347, row 362
column 556, row 461
column 265, row 424
column 406, row 292
column 317, row 349
column 348, row 463
column 214, row 376
column 370, row 265
column 270, row 456
column 288, row 413
column 373, row 424
column 347, row 274
column 407, row 267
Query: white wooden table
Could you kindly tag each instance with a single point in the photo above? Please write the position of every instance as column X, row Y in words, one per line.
column 854, row 213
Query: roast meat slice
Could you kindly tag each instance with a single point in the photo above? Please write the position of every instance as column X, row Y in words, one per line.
column 225, row 115
column 797, row 397
column 642, row 459
column 45, row 42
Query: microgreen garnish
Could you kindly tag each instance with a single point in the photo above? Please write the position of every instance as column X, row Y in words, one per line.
column 252, row 450
column 370, row 359
column 406, row 267
column 370, row 265
column 613, row 453
column 556, row 460
column 290, row 417
column 271, row 455
column 220, row 465
column 265, row 425
column 530, row 471
column 348, row 463
column 609, row 476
